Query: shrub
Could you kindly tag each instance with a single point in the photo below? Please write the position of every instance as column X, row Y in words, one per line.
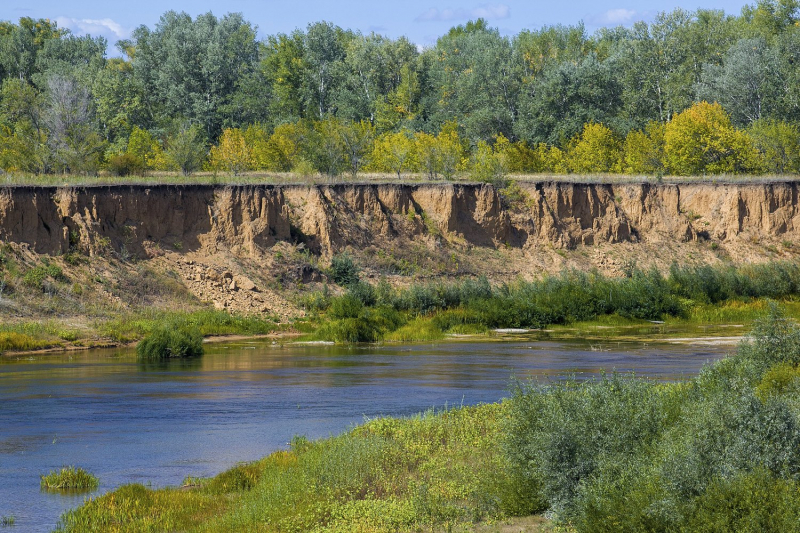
column 166, row 342
column 343, row 269
column 750, row 502
column 69, row 478
column 125, row 165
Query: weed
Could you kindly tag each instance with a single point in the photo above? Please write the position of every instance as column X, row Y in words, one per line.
column 167, row 341
column 7, row 521
column 69, row 478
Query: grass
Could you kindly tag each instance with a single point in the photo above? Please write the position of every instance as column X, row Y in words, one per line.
column 69, row 478
column 167, row 342
column 686, row 296
column 134, row 326
column 438, row 470
column 287, row 178
column 7, row 521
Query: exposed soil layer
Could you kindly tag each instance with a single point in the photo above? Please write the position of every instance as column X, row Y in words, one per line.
column 239, row 247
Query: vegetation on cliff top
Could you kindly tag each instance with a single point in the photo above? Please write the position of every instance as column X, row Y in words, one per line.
column 205, row 93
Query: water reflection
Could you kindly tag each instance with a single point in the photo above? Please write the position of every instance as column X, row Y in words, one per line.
column 170, row 365
column 127, row 421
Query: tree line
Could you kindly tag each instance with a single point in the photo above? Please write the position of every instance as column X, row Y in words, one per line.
column 689, row 93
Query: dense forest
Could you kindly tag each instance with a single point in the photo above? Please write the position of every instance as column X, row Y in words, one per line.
column 689, row 93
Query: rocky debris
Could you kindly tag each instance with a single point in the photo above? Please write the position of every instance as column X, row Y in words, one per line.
column 243, row 282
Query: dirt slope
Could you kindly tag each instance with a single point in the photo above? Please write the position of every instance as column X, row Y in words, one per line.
column 240, row 246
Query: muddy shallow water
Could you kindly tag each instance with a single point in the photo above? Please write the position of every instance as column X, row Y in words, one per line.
column 158, row 423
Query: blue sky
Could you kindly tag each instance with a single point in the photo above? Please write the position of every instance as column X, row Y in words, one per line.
column 422, row 21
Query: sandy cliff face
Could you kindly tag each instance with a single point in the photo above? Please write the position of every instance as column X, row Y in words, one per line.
column 327, row 218
column 243, row 247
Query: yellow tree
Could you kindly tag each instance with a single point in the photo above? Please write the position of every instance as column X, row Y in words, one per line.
column 284, row 151
column 144, row 148
column 595, row 149
column 427, row 154
column 643, row 151
column 393, row 152
column 702, row 140
column 450, row 149
column 256, row 137
column 232, row 153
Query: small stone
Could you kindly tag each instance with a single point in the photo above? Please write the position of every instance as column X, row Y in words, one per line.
column 233, row 286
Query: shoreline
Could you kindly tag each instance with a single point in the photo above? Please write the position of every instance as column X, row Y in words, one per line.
column 211, row 339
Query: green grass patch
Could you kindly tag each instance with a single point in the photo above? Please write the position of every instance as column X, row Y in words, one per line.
column 168, row 342
column 208, row 322
column 7, row 521
column 438, row 470
column 13, row 341
column 69, row 478
column 573, row 299
column 418, row 329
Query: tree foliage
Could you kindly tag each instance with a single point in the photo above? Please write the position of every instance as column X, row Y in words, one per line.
column 330, row 100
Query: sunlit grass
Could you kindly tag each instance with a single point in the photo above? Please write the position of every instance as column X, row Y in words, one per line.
column 209, row 322
column 434, row 471
column 69, row 478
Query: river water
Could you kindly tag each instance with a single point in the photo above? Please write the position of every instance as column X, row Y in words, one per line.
column 156, row 424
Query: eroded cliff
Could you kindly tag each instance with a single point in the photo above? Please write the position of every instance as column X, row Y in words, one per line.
column 402, row 229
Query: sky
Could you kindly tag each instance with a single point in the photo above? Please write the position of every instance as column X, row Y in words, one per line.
column 422, row 21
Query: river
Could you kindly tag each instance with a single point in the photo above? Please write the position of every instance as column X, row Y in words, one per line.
column 156, row 424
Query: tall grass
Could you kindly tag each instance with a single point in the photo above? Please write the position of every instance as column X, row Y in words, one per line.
column 700, row 294
column 69, row 478
column 207, row 322
column 433, row 471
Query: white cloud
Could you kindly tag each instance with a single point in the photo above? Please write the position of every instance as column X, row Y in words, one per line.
column 486, row 11
column 105, row 27
column 616, row 17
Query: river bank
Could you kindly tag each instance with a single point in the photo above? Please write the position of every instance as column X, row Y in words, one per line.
column 554, row 446
column 128, row 421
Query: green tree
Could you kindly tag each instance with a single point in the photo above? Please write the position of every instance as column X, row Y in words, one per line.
column 73, row 139
column 324, row 54
column 778, row 143
column 284, row 68
column 185, row 148
column 21, row 43
column 556, row 106
column 477, row 82
column 190, row 68
column 374, row 68
column 748, row 84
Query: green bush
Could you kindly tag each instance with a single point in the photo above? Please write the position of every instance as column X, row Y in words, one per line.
column 624, row 454
column 343, row 270
column 166, row 342
column 748, row 502
column 125, row 165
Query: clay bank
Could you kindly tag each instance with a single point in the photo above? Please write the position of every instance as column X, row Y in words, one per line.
column 327, row 218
